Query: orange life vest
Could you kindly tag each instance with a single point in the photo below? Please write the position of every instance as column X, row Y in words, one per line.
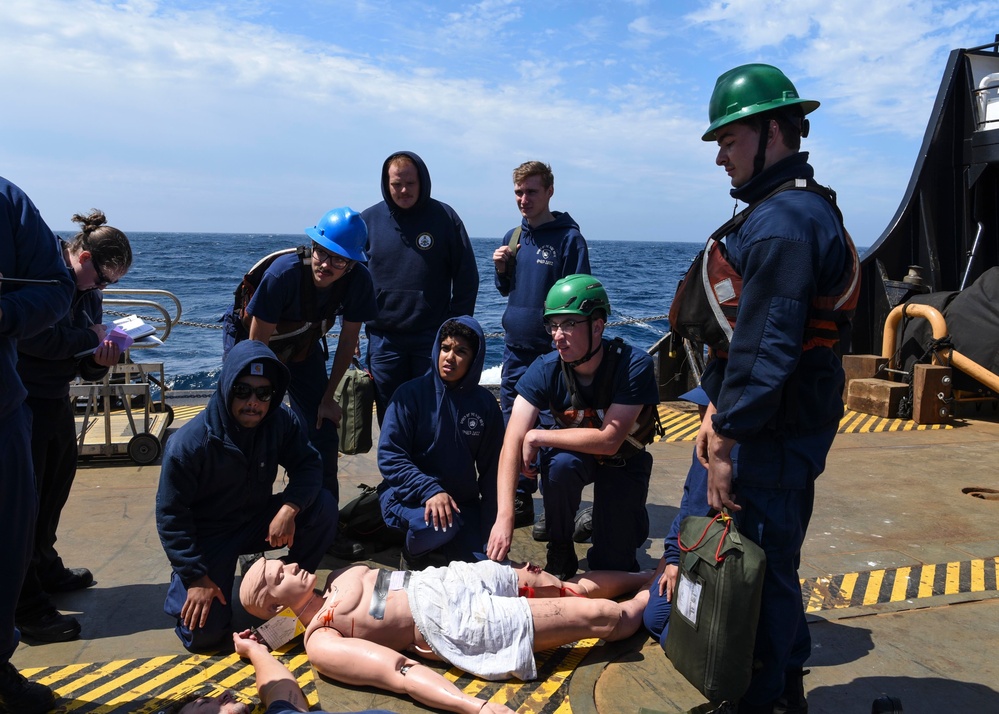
column 707, row 300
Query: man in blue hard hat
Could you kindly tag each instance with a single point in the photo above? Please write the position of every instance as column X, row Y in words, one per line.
column 294, row 303
column 35, row 292
column 784, row 289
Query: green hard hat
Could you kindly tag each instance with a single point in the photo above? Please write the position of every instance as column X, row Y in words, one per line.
column 751, row 89
column 577, row 294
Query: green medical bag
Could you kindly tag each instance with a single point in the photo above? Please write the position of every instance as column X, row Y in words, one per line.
column 716, row 606
column 356, row 396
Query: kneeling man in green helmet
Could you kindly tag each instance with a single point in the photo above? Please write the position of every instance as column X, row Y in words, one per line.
column 603, row 396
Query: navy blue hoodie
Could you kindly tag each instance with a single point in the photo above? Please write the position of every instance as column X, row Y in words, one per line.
column 217, row 475
column 436, row 438
column 27, row 250
column 547, row 254
column 420, row 260
column 47, row 362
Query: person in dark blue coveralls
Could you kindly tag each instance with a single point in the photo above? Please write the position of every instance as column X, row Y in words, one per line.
column 603, row 397
column 776, row 398
column 423, row 269
column 694, row 502
column 550, row 247
column 276, row 686
column 277, row 313
column 99, row 255
column 438, row 452
column 215, row 499
column 28, row 251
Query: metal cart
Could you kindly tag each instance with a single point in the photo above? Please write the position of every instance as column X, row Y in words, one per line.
column 117, row 415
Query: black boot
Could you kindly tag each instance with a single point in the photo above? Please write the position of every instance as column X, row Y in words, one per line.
column 792, row 699
column 21, row 695
column 562, row 560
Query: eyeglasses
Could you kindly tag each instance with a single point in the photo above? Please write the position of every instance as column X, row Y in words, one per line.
column 242, row 390
column 567, row 326
column 331, row 259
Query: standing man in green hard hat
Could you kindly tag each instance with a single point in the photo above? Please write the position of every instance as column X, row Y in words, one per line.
column 603, row 396
column 783, row 293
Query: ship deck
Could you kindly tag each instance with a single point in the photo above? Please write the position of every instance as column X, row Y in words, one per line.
column 899, row 572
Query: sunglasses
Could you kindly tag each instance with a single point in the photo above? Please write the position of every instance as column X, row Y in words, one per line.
column 242, row 390
column 102, row 279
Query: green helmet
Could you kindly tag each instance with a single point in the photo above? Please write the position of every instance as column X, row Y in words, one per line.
column 751, row 89
column 578, row 294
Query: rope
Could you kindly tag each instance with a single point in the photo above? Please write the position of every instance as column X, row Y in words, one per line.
column 488, row 335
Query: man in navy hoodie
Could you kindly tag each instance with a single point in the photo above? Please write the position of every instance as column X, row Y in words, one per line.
column 215, row 499
column 423, row 271
column 28, row 250
column 549, row 247
column 439, row 449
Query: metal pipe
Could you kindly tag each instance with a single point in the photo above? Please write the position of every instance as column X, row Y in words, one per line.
column 971, row 256
column 946, row 355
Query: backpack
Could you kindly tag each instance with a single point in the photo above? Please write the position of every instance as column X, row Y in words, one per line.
column 361, row 519
column 293, row 339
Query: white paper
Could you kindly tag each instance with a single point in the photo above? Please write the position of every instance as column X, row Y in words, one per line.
column 688, row 598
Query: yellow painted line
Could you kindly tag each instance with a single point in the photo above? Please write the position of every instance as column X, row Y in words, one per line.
column 872, row 594
column 85, row 680
column 926, row 581
column 977, row 576
column 901, row 584
column 846, row 588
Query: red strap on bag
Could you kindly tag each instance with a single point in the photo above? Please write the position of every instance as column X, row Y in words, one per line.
column 724, row 518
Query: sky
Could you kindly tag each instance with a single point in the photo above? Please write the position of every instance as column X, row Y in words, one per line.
column 258, row 117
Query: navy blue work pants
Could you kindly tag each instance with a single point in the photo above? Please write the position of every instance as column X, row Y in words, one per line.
column 395, row 358
column 315, row 529
column 516, row 360
column 465, row 537
column 776, row 518
column 309, row 379
column 54, row 456
column 620, row 521
column 694, row 502
column 18, row 509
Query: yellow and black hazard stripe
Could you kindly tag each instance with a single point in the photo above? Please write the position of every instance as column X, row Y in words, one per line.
column 683, row 425
column 902, row 584
column 548, row 694
column 147, row 686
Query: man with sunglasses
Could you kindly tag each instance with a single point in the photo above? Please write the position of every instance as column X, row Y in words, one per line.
column 603, row 396
column 294, row 304
column 215, row 500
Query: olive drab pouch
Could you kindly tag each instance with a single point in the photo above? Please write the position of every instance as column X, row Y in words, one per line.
column 356, row 396
column 716, row 606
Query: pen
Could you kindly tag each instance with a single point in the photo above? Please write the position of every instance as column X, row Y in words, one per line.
column 28, row 281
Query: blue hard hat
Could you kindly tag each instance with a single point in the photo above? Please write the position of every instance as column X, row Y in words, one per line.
column 341, row 231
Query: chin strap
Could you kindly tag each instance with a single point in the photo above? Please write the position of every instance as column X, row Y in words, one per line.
column 591, row 351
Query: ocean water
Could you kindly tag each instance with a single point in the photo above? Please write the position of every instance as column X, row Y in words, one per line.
column 203, row 269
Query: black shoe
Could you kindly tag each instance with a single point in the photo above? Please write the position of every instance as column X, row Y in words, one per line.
column 345, row 548
column 792, row 699
column 53, row 626
column 21, row 695
column 69, row 579
column 562, row 561
column 523, row 510
column 584, row 525
column 540, row 530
